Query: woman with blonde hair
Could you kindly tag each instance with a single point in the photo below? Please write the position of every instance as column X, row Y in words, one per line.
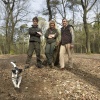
column 51, row 36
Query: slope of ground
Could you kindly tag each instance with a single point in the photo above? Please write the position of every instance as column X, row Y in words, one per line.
column 80, row 83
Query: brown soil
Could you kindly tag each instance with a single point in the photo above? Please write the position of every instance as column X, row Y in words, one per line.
column 80, row 83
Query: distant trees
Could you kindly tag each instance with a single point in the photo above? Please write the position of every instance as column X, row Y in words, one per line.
column 14, row 10
column 14, row 34
column 60, row 7
column 22, row 39
column 56, row 7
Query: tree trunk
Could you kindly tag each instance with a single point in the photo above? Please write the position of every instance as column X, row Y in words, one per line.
column 88, row 49
column 49, row 9
column 73, row 15
column 64, row 9
column 98, row 24
column 86, row 9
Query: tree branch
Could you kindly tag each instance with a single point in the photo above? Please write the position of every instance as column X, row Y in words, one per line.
column 91, row 5
column 82, row 4
column 59, row 11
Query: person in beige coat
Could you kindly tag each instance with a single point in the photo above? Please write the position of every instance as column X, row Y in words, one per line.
column 67, row 43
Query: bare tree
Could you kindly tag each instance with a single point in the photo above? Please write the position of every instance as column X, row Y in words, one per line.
column 87, row 6
column 15, row 11
column 61, row 7
column 54, row 7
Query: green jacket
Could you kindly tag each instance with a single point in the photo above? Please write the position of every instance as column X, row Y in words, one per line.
column 34, row 36
column 51, row 31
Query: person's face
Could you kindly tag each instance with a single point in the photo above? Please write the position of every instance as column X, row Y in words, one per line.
column 64, row 22
column 52, row 25
column 35, row 22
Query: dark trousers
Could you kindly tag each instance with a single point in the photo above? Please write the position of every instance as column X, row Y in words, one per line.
column 34, row 46
column 49, row 51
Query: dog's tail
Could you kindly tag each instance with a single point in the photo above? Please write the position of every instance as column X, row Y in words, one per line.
column 13, row 64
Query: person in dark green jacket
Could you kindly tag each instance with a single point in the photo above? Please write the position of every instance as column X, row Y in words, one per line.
column 34, row 43
column 51, row 36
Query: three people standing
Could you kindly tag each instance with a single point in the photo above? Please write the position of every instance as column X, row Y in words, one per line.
column 67, row 40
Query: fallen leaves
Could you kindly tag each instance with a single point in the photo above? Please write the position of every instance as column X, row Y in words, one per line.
column 53, row 84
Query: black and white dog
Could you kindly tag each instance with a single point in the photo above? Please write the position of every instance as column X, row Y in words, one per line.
column 16, row 75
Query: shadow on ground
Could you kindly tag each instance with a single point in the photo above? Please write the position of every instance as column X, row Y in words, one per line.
column 88, row 77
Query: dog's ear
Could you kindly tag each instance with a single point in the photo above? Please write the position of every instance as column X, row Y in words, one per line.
column 14, row 71
column 20, row 70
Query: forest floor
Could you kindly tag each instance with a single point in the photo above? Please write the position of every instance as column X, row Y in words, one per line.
column 80, row 83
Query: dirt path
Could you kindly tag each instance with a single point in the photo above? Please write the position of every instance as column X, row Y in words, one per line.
column 80, row 83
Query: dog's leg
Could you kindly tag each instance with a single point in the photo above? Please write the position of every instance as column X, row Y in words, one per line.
column 14, row 80
column 19, row 81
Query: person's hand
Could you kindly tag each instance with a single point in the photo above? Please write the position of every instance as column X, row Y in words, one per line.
column 71, row 46
column 39, row 33
column 49, row 36
column 53, row 35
